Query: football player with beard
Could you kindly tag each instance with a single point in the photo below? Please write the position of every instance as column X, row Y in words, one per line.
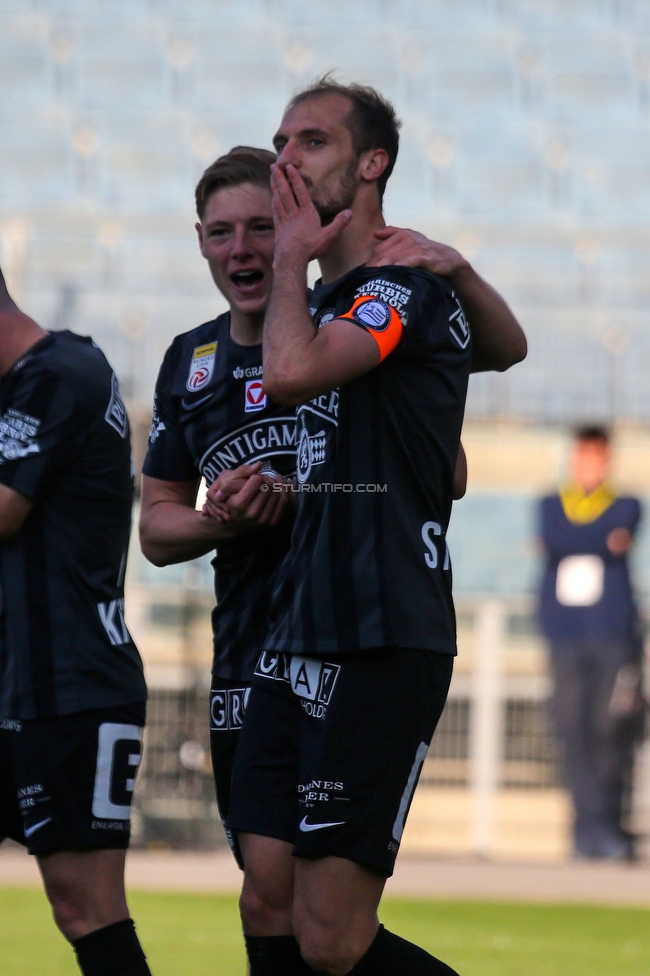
column 358, row 658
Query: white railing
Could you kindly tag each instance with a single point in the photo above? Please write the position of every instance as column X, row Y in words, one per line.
column 486, row 721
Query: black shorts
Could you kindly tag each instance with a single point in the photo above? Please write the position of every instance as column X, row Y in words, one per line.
column 331, row 750
column 228, row 701
column 67, row 782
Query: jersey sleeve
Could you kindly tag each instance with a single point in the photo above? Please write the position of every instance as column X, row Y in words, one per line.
column 402, row 306
column 42, row 428
column 383, row 322
column 383, row 307
column 168, row 457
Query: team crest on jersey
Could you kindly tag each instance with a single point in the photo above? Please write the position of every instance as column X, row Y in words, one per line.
column 374, row 314
column 459, row 326
column 201, row 367
column 311, row 451
column 254, row 396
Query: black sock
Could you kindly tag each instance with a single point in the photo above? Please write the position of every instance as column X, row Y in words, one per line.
column 112, row 951
column 391, row 956
column 275, row 955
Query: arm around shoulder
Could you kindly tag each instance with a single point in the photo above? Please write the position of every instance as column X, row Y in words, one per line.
column 498, row 341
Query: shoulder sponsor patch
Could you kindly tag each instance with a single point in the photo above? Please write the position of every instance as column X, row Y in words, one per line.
column 18, row 435
column 116, row 414
column 201, row 367
column 389, row 292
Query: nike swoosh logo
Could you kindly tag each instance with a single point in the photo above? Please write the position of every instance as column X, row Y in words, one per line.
column 195, row 403
column 307, row 826
column 32, row 830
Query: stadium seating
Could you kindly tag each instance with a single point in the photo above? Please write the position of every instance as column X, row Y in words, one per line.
column 524, row 141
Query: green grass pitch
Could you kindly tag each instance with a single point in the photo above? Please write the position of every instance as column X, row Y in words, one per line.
column 198, row 935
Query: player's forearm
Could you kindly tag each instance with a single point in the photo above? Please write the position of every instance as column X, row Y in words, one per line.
column 172, row 533
column 498, row 341
column 288, row 332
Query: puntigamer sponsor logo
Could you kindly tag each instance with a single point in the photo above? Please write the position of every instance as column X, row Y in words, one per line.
column 326, row 403
column 269, row 437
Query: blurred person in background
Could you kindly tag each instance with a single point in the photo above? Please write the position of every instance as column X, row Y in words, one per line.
column 72, row 690
column 588, row 615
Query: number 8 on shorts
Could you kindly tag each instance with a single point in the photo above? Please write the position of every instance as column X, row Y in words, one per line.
column 118, row 757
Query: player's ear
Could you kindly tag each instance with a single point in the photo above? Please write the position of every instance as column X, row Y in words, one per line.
column 199, row 234
column 373, row 164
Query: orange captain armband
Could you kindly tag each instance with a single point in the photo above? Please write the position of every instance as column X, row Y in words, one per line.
column 381, row 320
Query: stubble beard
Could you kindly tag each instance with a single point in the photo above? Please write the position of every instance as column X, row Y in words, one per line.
column 329, row 203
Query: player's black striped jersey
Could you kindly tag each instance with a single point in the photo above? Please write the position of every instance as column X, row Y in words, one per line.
column 369, row 566
column 211, row 414
column 65, row 444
